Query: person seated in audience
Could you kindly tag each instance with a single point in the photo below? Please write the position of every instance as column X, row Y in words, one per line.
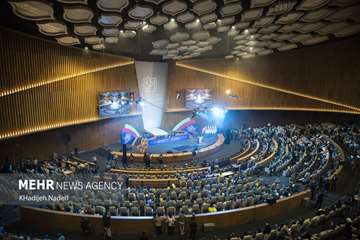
column 212, row 208
column 60, row 236
column 7, row 167
column 267, row 228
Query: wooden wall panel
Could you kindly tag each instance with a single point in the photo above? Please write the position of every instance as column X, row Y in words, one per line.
column 26, row 61
column 84, row 137
column 73, row 99
column 329, row 71
column 249, row 96
column 30, row 98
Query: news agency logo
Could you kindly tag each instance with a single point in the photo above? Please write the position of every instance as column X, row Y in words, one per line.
column 36, row 184
column 51, row 185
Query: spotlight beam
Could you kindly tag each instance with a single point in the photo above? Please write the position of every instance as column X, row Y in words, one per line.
column 269, row 87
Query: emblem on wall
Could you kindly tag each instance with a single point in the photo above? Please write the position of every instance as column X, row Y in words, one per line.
column 149, row 84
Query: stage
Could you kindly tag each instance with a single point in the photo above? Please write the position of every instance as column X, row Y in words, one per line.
column 176, row 150
column 166, row 145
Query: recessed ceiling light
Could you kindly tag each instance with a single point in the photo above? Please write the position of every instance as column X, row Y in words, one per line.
column 251, row 48
column 246, row 31
column 197, row 20
column 145, row 27
column 233, row 27
column 172, row 20
column 252, row 37
column 86, row 48
column 228, row 91
column 121, row 31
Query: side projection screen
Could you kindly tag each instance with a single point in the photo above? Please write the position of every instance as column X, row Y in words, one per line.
column 114, row 104
column 198, row 98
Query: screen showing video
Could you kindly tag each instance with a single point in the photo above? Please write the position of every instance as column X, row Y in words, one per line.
column 114, row 104
column 198, row 98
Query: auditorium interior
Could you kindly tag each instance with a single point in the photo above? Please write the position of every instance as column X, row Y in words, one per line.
column 179, row 119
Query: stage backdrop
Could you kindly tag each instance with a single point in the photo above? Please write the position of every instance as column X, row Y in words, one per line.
column 152, row 81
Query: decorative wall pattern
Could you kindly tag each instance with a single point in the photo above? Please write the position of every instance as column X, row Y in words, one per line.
column 28, row 62
column 45, row 86
column 324, row 77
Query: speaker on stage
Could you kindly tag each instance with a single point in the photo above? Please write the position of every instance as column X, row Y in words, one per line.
column 124, row 149
column 227, row 136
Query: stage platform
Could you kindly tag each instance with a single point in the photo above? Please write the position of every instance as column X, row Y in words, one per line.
column 176, row 151
column 178, row 146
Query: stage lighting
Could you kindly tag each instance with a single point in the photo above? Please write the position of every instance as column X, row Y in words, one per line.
column 228, row 91
column 218, row 112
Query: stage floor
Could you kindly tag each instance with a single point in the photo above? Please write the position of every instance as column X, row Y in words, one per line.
column 187, row 145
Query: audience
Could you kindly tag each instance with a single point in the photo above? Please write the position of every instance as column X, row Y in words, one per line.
column 302, row 157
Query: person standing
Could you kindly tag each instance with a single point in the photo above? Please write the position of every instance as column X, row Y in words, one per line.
column 170, row 224
column 108, row 234
column 146, row 160
column 161, row 159
column 124, row 159
column 107, row 224
column 181, row 221
column 319, row 200
column 158, row 224
column 193, row 227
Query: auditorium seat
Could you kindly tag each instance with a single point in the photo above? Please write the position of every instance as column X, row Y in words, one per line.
column 148, row 211
column 124, row 211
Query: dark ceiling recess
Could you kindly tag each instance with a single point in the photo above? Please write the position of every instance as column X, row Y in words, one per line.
column 160, row 30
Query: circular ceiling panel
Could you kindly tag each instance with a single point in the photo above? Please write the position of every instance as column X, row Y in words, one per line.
column 112, row 5
column 141, row 12
column 110, row 20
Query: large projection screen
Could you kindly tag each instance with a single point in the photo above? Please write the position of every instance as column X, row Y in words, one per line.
column 198, row 98
column 114, row 104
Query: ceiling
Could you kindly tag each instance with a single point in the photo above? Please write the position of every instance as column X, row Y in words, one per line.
column 179, row 29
